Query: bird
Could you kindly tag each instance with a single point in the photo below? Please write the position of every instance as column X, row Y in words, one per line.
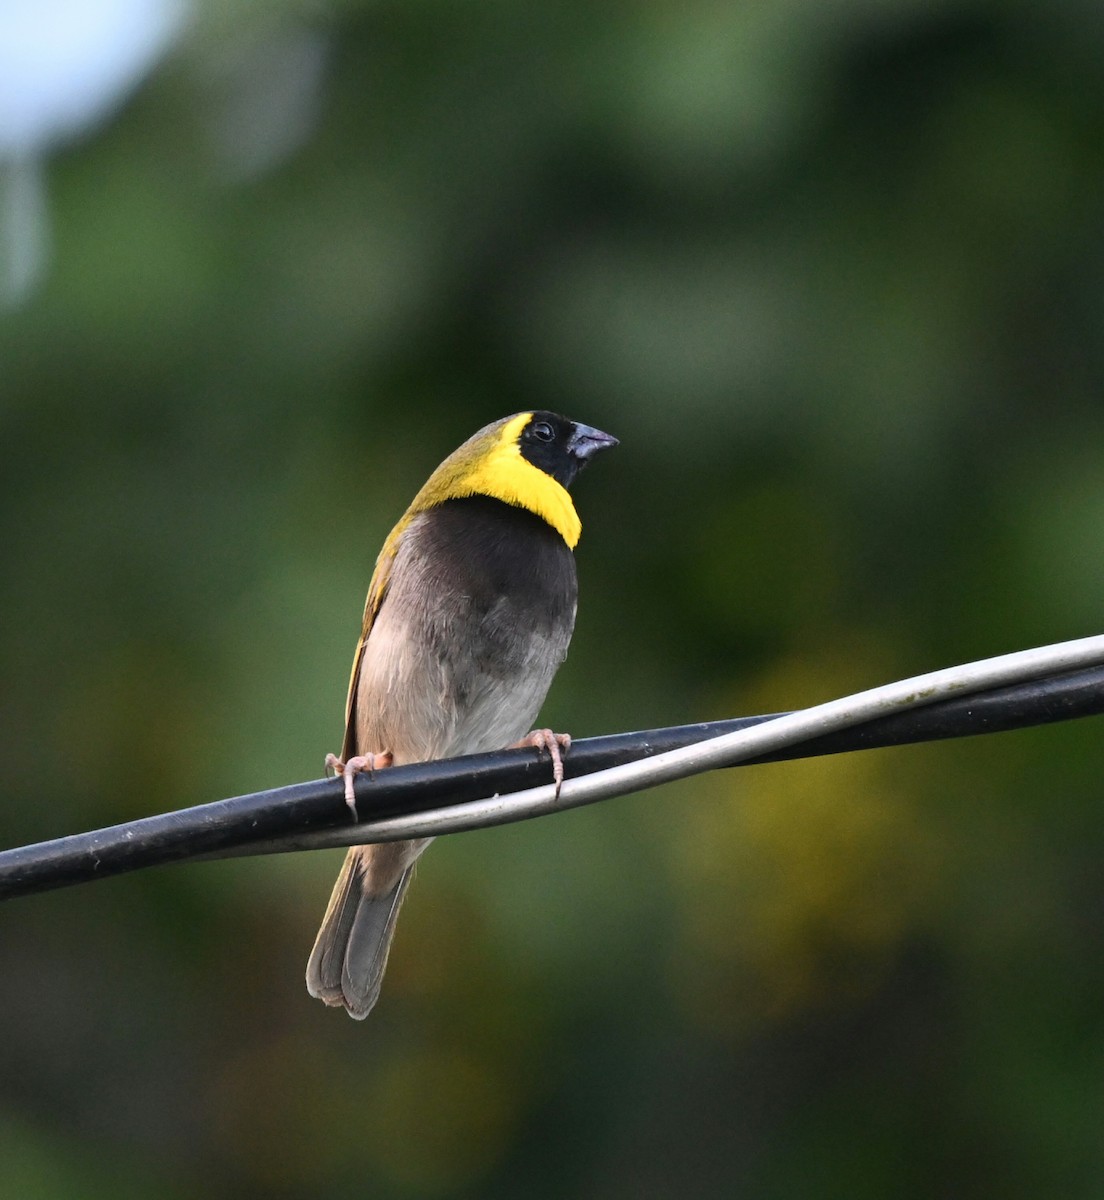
column 469, row 614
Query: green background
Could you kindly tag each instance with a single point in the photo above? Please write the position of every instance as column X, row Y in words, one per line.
column 834, row 275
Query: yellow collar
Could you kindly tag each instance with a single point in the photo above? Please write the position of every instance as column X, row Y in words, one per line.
column 501, row 471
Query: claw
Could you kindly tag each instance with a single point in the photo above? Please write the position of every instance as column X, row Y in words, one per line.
column 353, row 767
column 556, row 744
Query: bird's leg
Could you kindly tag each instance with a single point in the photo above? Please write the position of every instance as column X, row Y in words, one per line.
column 557, row 745
column 353, row 767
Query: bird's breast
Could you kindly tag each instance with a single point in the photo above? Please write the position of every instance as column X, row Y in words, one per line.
column 477, row 617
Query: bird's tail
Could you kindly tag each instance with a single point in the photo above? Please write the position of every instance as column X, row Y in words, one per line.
column 350, row 953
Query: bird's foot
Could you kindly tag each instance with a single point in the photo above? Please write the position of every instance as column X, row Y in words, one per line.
column 352, row 767
column 557, row 745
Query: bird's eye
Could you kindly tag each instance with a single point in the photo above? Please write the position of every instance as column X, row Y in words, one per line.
column 544, row 432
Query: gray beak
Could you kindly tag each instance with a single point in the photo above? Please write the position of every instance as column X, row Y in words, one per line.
column 587, row 441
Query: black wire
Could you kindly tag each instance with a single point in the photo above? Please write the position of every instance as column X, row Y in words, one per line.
column 228, row 825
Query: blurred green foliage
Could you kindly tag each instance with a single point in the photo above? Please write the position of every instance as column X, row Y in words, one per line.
column 834, row 273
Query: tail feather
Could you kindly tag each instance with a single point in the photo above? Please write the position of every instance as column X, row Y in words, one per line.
column 349, row 957
column 369, row 945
